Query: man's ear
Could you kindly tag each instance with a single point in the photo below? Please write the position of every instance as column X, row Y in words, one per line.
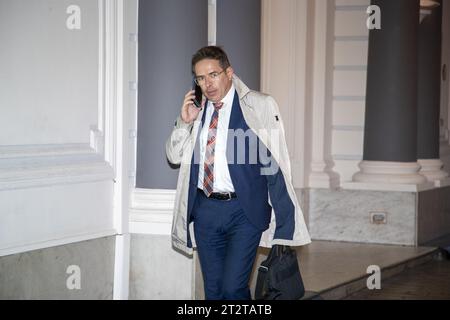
column 229, row 72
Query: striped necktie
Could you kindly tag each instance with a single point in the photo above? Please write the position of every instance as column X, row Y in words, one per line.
column 208, row 176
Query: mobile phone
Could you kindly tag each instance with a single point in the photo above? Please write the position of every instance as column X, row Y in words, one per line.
column 198, row 94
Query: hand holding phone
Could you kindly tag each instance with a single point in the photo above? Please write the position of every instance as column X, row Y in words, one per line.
column 198, row 95
column 192, row 105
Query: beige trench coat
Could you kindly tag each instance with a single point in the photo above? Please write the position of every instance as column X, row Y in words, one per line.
column 260, row 112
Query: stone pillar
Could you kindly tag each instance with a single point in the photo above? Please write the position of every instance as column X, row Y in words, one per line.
column 429, row 94
column 390, row 143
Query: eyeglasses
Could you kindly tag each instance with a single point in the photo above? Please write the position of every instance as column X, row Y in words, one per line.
column 200, row 80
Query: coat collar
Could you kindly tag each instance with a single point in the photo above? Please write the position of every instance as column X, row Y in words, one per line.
column 241, row 89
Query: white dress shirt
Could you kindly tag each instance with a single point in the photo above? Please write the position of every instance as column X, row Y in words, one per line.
column 222, row 179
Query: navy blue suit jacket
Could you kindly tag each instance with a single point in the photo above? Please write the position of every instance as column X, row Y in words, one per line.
column 251, row 187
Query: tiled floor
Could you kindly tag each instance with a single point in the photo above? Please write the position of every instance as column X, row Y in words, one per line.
column 341, row 268
column 430, row 281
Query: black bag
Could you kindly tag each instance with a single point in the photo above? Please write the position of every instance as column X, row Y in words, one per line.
column 279, row 276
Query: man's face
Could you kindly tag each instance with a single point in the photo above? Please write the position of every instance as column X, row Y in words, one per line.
column 215, row 89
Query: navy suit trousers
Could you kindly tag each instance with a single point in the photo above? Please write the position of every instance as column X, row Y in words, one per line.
column 227, row 243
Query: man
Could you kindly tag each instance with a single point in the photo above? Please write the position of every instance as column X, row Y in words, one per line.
column 234, row 172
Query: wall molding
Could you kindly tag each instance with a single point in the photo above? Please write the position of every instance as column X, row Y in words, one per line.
column 47, row 165
column 151, row 211
column 13, row 152
column 22, row 248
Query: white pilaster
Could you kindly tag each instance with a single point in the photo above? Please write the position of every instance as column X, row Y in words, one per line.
column 212, row 22
column 288, row 61
column 121, row 51
column 322, row 175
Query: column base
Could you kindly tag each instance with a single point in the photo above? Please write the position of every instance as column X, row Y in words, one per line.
column 432, row 169
column 323, row 180
column 389, row 172
column 444, row 147
column 322, row 177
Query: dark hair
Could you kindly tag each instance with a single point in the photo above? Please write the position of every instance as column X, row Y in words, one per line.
column 210, row 52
